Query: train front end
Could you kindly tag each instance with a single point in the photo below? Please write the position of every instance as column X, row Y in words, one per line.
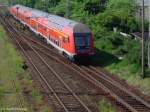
column 83, row 41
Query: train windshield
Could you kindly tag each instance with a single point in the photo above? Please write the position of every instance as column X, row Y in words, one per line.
column 82, row 41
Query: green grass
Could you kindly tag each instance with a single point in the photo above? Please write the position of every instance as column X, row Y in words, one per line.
column 11, row 70
column 11, row 63
column 105, row 106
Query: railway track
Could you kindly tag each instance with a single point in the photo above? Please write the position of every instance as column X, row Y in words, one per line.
column 117, row 93
column 126, row 99
column 20, row 104
column 96, row 71
column 71, row 102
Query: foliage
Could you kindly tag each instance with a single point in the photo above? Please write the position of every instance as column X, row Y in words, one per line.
column 59, row 9
column 95, row 6
column 10, row 67
column 120, row 14
column 36, row 94
column 105, row 106
column 127, row 5
column 133, row 55
column 117, row 18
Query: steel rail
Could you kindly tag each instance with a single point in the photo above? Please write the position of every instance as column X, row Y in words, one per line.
column 126, row 104
column 119, row 86
column 40, row 74
column 93, row 81
column 75, row 96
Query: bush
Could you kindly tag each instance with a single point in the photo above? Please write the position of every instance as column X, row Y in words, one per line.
column 95, row 6
column 105, row 106
column 109, row 42
column 133, row 48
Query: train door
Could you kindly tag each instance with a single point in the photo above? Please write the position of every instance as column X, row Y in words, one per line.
column 61, row 41
column 65, row 43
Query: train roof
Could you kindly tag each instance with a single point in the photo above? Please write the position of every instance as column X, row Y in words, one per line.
column 57, row 21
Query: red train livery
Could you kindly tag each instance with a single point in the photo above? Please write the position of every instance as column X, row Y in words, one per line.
column 71, row 38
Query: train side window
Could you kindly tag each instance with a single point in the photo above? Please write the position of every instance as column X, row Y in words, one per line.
column 66, row 39
column 44, row 28
column 57, row 42
column 39, row 26
column 49, row 37
column 27, row 17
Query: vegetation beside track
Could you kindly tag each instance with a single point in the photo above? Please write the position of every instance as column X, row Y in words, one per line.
column 105, row 106
column 14, row 81
column 10, row 66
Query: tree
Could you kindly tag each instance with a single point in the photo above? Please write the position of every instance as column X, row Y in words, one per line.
column 120, row 14
column 95, row 6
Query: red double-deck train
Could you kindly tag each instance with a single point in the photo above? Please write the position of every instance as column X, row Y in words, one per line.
column 71, row 38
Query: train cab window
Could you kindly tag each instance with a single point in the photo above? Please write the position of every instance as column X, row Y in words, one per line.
column 82, row 41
